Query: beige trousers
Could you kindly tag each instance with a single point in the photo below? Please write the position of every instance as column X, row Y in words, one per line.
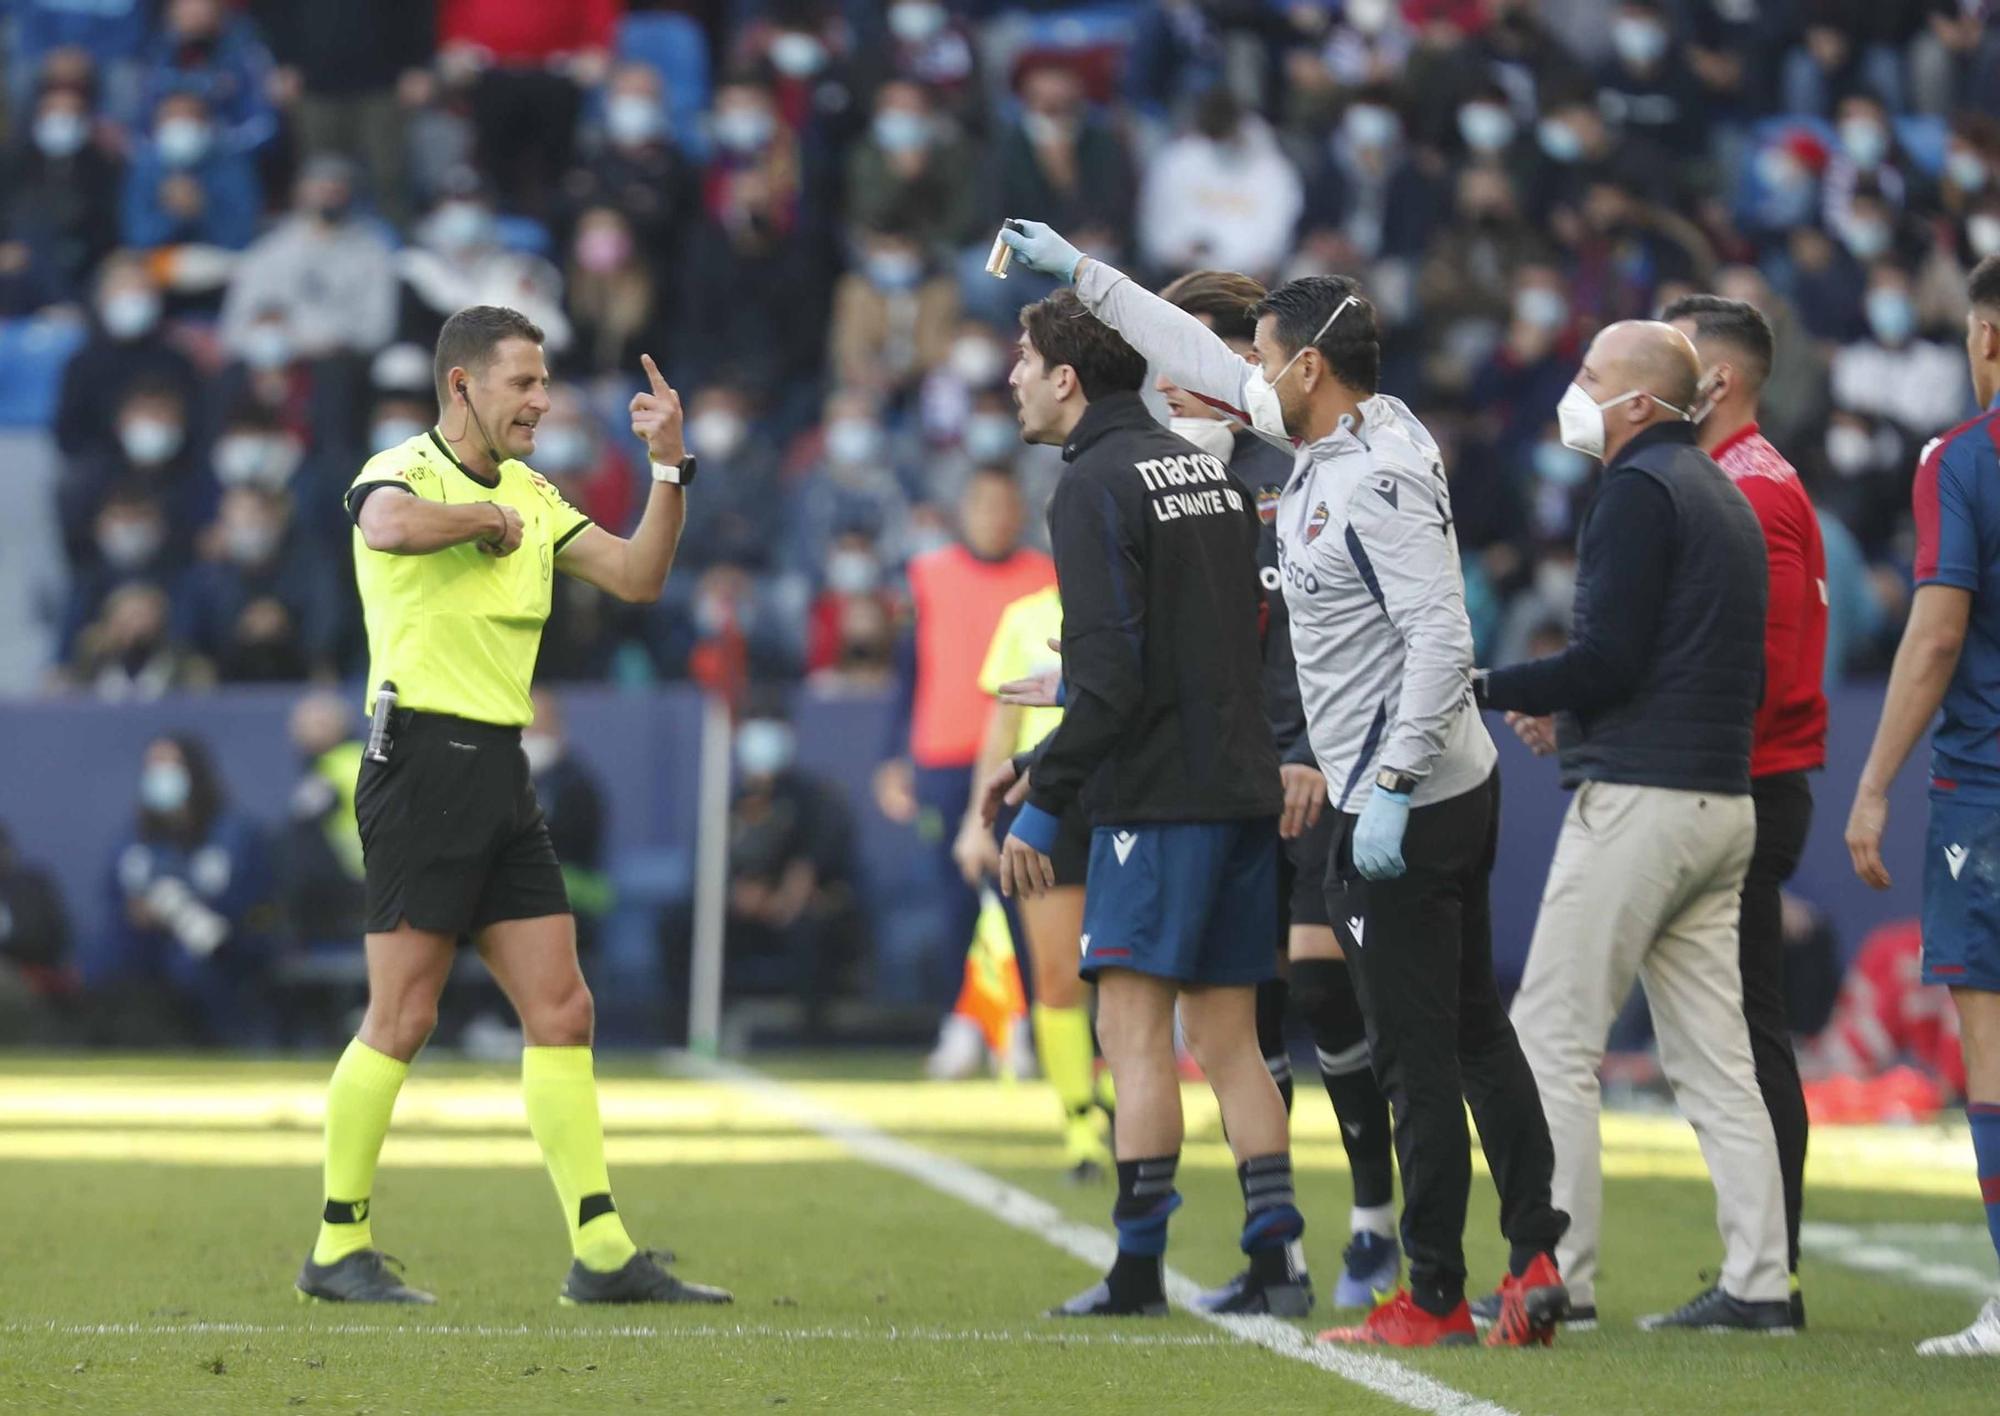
column 1647, row 883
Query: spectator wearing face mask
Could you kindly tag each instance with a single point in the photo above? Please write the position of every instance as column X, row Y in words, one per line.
column 126, row 345
column 931, row 46
column 128, row 653
column 793, row 923
column 191, row 906
column 1465, row 286
column 185, row 186
column 806, row 49
column 262, row 604
column 1368, row 202
column 1367, row 43
column 726, row 433
column 637, row 168
column 332, row 276
column 852, row 578
column 1866, row 160
column 150, row 449
column 752, row 294
column 612, row 295
column 458, row 261
column 895, row 314
column 130, row 543
column 1489, row 131
column 204, row 49
column 1894, row 373
column 1646, row 86
column 852, row 481
column 348, row 75
column 58, row 198
column 1223, row 195
column 914, row 167
column 1528, row 372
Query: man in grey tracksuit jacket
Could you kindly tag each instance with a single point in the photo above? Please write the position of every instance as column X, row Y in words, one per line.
column 1376, row 600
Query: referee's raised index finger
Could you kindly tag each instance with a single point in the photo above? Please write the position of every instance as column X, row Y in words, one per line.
column 653, row 373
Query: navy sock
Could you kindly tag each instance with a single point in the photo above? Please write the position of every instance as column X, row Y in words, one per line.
column 1146, row 1200
column 1325, row 994
column 1985, row 1119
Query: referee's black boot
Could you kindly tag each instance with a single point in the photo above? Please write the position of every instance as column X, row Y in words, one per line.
column 1716, row 1311
column 360, row 1277
column 643, row 1279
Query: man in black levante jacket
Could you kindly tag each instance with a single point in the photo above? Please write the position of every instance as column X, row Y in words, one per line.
column 1163, row 737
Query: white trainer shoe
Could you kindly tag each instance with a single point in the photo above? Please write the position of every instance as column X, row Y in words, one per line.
column 1982, row 1339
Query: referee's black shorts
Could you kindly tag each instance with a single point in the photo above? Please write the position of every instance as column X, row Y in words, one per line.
column 451, row 834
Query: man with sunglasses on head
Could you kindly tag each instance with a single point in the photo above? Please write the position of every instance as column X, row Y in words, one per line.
column 1370, row 570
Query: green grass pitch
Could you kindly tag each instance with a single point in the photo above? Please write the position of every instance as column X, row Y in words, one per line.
column 152, row 1215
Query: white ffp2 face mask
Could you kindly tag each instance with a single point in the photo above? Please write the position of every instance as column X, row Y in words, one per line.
column 1266, row 412
column 1212, row 435
column 1580, row 418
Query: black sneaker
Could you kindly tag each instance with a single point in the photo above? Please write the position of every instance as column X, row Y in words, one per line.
column 1097, row 1302
column 643, row 1279
column 1716, row 1311
column 1581, row 1317
column 1288, row 1297
column 361, row 1277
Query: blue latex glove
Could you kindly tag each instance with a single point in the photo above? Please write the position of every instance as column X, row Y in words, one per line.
column 1378, row 835
column 1041, row 248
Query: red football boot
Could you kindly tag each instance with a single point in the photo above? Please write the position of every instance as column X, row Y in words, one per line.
column 1530, row 1307
column 1401, row 1323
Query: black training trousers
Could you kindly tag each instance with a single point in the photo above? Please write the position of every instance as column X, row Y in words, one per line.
column 1784, row 815
column 1422, row 958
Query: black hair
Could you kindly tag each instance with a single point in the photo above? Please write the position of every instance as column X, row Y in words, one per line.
column 1064, row 332
column 470, row 337
column 1737, row 323
column 1982, row 288
column 1350, row 346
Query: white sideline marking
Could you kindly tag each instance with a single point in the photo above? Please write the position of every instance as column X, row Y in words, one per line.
column 1866, row 1250
column 889, row 1333
column 1038, row 1217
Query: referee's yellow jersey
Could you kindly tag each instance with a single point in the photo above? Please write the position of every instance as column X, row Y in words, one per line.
column 458, row 630
column 1020, row 648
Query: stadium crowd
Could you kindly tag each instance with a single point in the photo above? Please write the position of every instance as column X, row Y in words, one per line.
column 256, row 218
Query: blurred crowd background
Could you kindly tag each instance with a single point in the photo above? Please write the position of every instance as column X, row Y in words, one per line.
column 230, row 232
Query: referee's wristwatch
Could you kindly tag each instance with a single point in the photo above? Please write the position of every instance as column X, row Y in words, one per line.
column 1390, row 780
column 675, row 474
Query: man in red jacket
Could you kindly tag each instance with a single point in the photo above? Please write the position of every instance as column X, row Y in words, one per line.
column 1735, row 345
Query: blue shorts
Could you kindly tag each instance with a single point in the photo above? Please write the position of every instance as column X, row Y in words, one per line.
column 1196, row 902
column 1962, row 896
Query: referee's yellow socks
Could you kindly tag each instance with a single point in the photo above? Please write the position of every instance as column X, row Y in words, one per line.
column 359, row 1101
column 559, row 1089
column 1062, row 1039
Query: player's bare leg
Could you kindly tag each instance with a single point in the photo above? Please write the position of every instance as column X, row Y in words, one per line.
column 534, row 962
column 1220, row 1025
column 1979, row 1030
column 1135, row 1028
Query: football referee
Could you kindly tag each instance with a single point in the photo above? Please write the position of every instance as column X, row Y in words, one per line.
column 455, row 547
